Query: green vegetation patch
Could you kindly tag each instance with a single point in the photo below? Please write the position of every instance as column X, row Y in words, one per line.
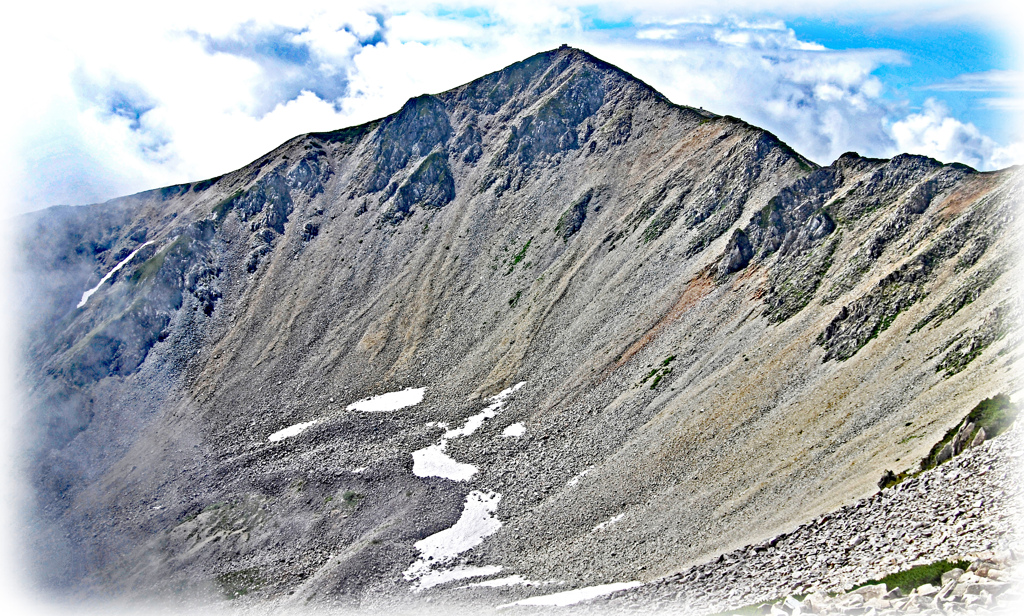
column 519, row 256
column 659, row 225
column 220, row 211
column 149, row 269
column 914, row 577
column 571, row 221
column 774, row 205
column 202, row 185
column 351, row 498
column 658, row 373
column 994, row 415
column 235, row 584
column 347, row 135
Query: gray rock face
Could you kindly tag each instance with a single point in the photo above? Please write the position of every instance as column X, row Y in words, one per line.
column 738, row 253
column 431, row 185
column 717, row 339
column 421, row 124
column 554, row 126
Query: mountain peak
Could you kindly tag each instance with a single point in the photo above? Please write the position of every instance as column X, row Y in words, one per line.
column 539, row 73
column 276, row 377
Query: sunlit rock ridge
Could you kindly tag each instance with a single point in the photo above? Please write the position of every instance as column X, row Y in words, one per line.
column 545, row 326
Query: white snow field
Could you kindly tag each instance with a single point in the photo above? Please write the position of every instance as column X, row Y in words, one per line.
column 290, row 431
column 575, row 480
column 391, row 401
column 512, row 580
column 476, row 523
column 434, row 462
column 571, row 597
column 607, row 523
column 88, row 294
column 514, row 430
column 461, row 572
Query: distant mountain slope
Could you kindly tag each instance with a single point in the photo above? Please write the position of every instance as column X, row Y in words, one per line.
column 717, row 339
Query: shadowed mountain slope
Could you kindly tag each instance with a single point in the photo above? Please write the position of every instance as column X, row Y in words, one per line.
column 717, row 339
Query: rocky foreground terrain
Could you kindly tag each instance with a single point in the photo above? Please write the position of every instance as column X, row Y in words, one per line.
column 545, row 326
column 966, row 510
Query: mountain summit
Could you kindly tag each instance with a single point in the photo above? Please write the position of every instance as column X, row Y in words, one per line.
column 546, row 324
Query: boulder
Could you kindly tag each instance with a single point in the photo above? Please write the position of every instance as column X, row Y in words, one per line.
column 816, row 603
column 878, row 604
column 952, row 574
column 874, row 591
column 792, row 604
column 960, row 441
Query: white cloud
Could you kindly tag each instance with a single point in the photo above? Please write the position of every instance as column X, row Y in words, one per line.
column 933, row 132
column 1004, row 103
column 821, row 102
column 657, row 34
column 114, row 100
column 986, row 81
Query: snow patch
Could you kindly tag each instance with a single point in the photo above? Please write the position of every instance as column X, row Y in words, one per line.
column 516, row 429
column 434, row 462
column 461, row 572
column 607, row 523
column 473, row 423
column 290, row 431
column 572, row 597
column 391, row 401
column 512, row 580
column 575, row 480
column 88, row 294
column 505, row 393
column 477, row 522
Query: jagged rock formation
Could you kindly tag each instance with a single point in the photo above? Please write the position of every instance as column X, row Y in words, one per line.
column 716, row 336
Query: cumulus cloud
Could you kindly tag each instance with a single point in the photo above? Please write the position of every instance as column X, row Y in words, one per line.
column 137, row 101
column 933, row 132
column 133, row 100
column 823, row 102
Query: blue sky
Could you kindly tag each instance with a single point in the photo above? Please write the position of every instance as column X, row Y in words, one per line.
column 934, row 54
column 110, row 99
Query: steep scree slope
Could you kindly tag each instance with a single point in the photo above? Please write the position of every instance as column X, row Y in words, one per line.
column 716, row 338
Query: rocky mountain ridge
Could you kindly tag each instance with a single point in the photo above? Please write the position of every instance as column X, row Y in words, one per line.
column 714, row 336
